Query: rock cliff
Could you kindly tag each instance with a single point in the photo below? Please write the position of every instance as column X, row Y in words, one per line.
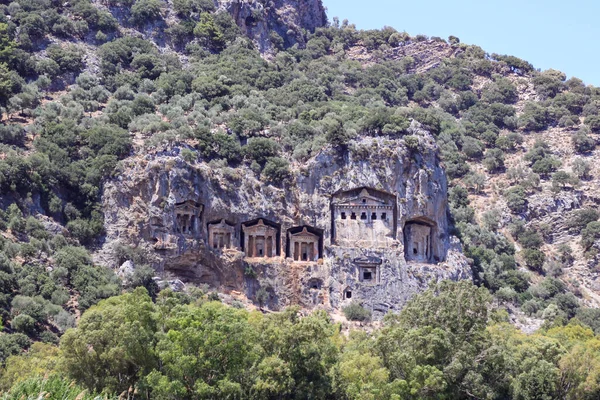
column 264, row 22
column 382, row 188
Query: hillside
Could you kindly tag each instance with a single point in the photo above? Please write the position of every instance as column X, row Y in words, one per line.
column 259, row 154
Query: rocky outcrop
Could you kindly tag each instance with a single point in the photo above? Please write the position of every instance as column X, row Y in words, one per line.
column 163, row 206
column 264, row 21
column 423, row 55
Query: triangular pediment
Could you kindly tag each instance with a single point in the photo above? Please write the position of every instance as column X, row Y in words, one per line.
column 363, row 198
column 189, row 205
column 305, row 233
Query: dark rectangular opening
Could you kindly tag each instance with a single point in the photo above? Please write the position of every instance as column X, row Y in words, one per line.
column 353, row 216
column 384, row 216
column 348, row 294
column 363, row 216
column 343, row 215
column 367, row 275
column 374, row 216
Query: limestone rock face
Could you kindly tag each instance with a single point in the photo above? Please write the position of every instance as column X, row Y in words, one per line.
column 333, row 234
column 286, row 18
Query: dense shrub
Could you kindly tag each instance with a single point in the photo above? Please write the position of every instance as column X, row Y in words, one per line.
column 590, row 234
column 472, row 148
column 68, row 58
column 534, row 117
column 515, row 199
column 500, row 91
column 593, row 122
column 541, row 159
column 145, row 11
column 579, row 219
column 494, row 160
column 261, row 149
column 277, row 170
column 582, row 142
column 356, row 312
column 534, row 259
column 516, row 64
column 549, row 83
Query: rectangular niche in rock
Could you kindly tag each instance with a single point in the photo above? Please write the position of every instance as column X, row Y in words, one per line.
column 221, row 235
column 363, row 217
column 369, row 269
column 260, row 238
column 419, row 234
column 305, row 244
column 188, row 218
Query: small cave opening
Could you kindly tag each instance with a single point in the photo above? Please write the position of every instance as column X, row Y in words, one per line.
column 315, row 284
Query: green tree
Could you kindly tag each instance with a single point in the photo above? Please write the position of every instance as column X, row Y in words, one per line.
column 113, row 345
column 307, row 345
column 209, row 33
column 561, row 179
column 360, row 373
column 40, row 360
column 206, row 352
column 432, row 344
column 538, row 381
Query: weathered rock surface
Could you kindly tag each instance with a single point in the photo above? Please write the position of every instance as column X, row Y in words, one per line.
column 126, row 270
column 143, row 208
column 285, row 18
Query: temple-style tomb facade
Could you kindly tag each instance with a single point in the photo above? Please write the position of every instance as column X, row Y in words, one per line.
column 221, row 235
column 304, row 245
column 260, row 239
column 364, row 217
column 188, row 218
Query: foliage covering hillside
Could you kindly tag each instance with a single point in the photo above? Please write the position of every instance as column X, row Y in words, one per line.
column 183, row 347
column 85, row 85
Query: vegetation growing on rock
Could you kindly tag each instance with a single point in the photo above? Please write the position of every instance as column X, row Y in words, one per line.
column 84, row 86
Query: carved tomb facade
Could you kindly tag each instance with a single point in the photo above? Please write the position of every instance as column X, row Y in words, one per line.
column 188, row 218
column 364, row 218
column 221, row 235
column 304, row 245
column 260, row 239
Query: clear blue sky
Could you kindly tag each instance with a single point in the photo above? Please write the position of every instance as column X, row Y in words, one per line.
column 564, row 35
